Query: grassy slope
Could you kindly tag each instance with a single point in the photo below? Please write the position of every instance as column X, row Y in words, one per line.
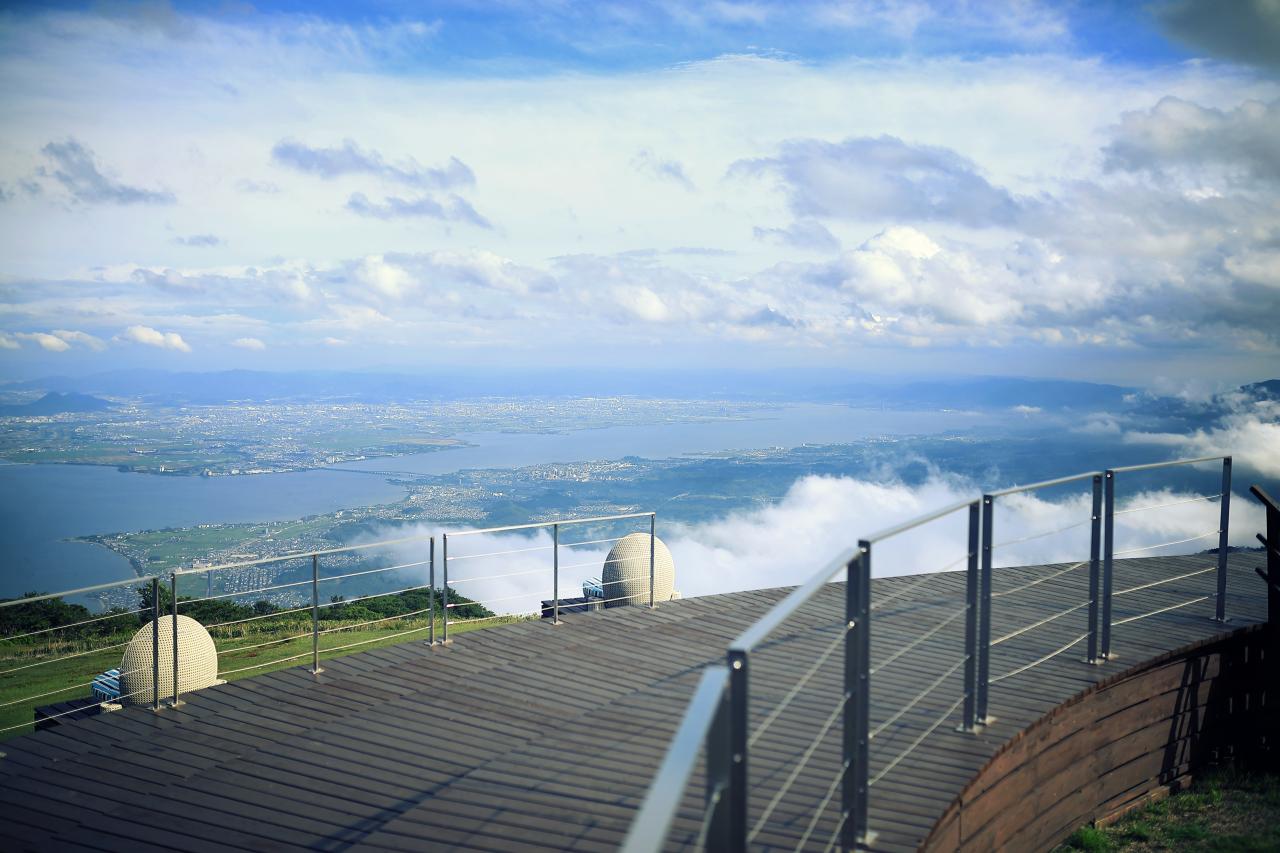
column 1229, row 811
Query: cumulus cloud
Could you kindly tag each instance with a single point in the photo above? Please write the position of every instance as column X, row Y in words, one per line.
column 648, row 163
column 820, row 518
column 59, row 340
column 46, row 341
column 1240, row 142
column 8, row 342
column 452, row 208
column 74, row 167
column 154, row 338
column 350, row 159
column 1245, row 31
column 199, row 240
column 254, row 344
column 882, row 178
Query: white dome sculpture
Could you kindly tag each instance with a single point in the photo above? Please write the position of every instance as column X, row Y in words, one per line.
column 197, row 661
column 625, row 576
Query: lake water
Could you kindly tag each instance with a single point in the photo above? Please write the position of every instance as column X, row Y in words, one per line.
column 42, row 506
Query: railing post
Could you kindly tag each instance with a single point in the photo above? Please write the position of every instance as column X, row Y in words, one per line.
column 555, row 574
column 971, row 617
column 737, row 792
column 431, row 591
column 1224, row 524
column 653, row 524
column 1108, row 549
column 315, row 615
column 984, row 612
column 444, row 589
column 173, row 590
column 1095, row 550
column 857, row 696
column 155, row 642
column 719, row 773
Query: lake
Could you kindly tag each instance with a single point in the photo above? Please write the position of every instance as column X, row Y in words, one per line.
column 42, row 506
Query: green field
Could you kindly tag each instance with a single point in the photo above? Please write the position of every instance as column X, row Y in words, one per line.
column 1230, row 810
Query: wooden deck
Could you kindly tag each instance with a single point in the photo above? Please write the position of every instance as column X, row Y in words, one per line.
column 534, row 736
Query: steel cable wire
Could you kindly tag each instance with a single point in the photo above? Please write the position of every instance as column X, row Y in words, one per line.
column 902, row 651
column 373, row 571
column 795, row 771
column 1020, row 631
column 918, row 697
column 831, row 842
column 1160, row 582
column 264, row 663
column 1040, row 660
column 797, row 687
column 1165, row 609
column 59, row 690
column 76, row 624
column 112, row 701
column 700, row 843
column 925, row 577
column 1162, row 506
column 822, row 805
column 1042, row 534
column 1167, row 544
column 589, row 542
column 453, row 582
column 375, row 621
column 916, row 742
column 64, row 657
column 1039, row 581
column 452, row 558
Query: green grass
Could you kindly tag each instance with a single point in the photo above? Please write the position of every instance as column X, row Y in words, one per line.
column 1228, row 811
column 62, row 680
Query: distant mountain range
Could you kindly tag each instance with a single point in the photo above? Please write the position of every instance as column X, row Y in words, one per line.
column 826, row 386
column 55, row 403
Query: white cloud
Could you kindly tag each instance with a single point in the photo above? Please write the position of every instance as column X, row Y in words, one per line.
column 82, row 338
column 46, row 341
column 785, row 543
column 1251, row 434
column 154, row 338
column 971, row 193
column 254, row 344
column 59, row 340
column 8, row 342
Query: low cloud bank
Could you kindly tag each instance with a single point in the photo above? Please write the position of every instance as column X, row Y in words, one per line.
column 1250, row 432
column 785, row 543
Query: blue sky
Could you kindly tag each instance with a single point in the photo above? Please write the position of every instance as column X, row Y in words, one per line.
column 1077, row 189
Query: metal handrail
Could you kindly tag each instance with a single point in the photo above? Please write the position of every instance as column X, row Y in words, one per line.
column 299, row 555
column 658, row 811
column 1151, row 466
column 1109, row 553
column 1044, row 484
column 44, row 656
column 649, row 829
column 508, row 528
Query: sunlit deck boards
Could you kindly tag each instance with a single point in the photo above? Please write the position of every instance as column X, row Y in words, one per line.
column 539, row 737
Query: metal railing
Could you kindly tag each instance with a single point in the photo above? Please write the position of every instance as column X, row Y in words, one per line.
column 718, row 718
column 555, row 546
column 256, row 602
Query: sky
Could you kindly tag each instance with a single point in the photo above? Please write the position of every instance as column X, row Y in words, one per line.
column 1079, row 190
